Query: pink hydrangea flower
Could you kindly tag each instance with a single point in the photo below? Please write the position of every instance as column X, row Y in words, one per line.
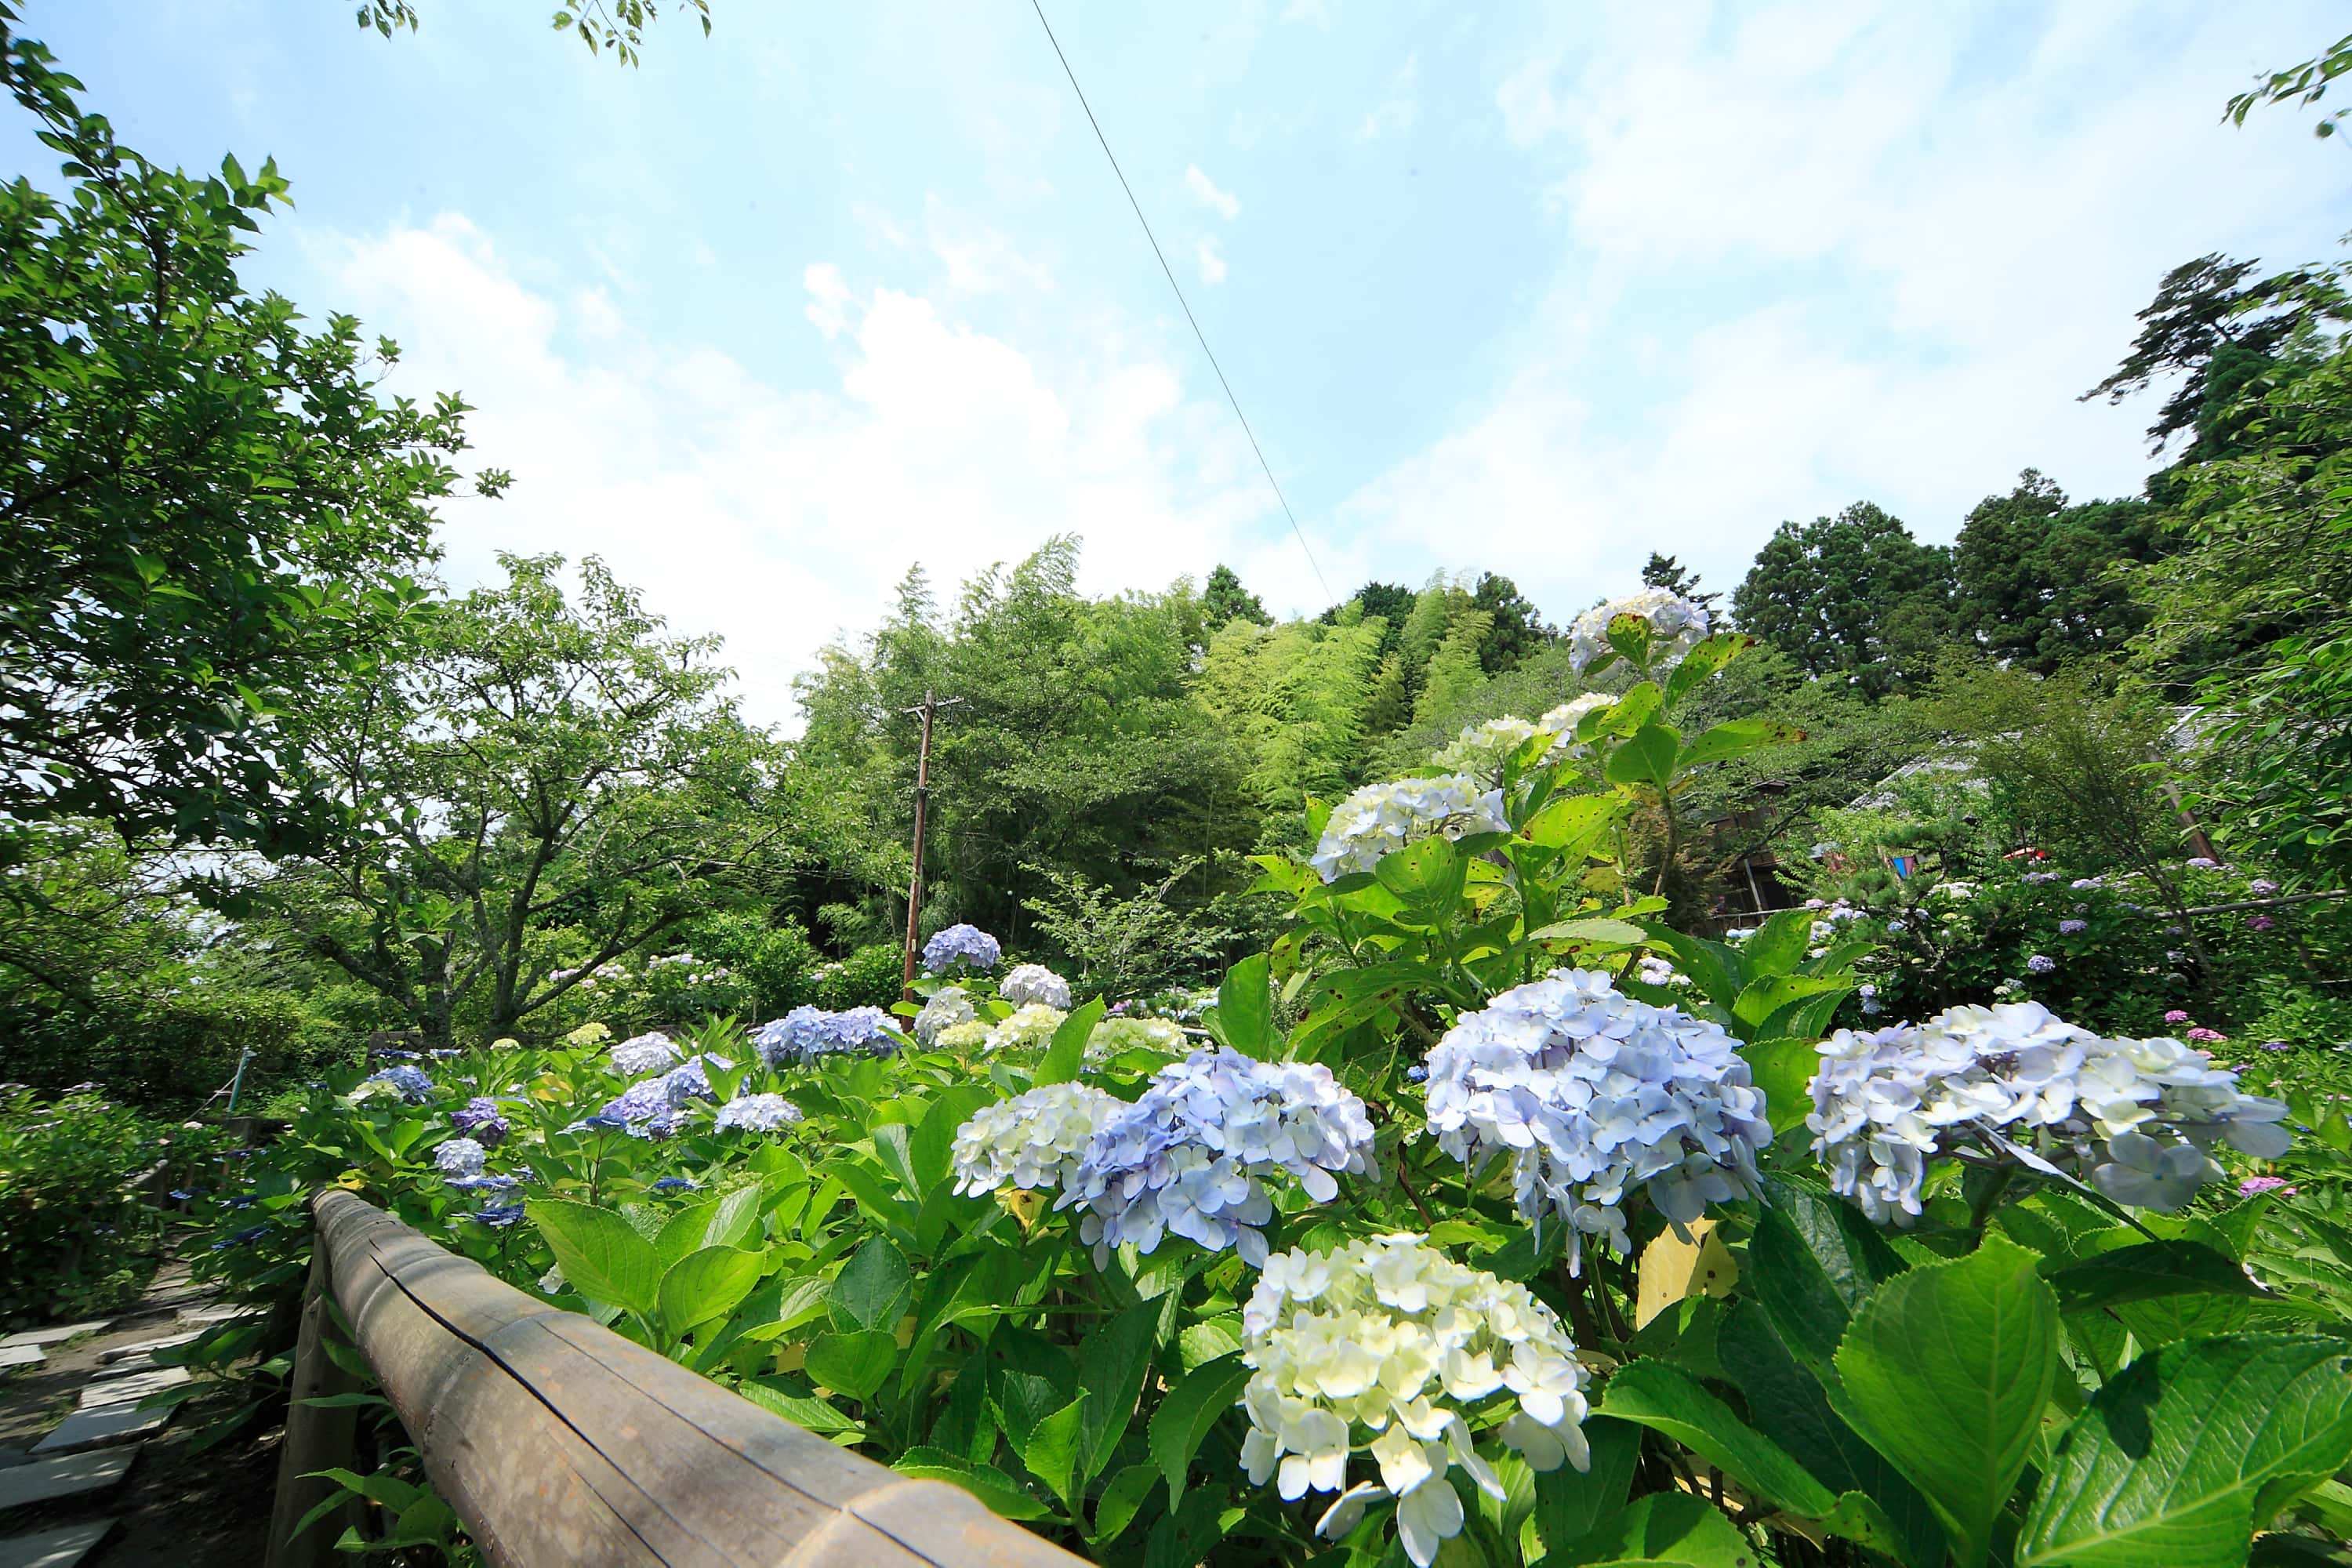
column 2176, row 1017
column 2252, row 1185
column 2205, row 1036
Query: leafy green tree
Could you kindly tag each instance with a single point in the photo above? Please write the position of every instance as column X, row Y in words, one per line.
column 616, row 25
column 546, row 785
column 1224, row 599
column 204, row 509
column 1514, row 627
column 2303, row 84
column 2216, row 331
column 1666, row 571
column 2039, row 582
column 1851, row 598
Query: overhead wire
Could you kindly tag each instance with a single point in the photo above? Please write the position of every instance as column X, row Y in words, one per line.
column 1177, row 288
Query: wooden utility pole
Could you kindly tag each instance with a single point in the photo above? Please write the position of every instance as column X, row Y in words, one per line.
column 930, row 706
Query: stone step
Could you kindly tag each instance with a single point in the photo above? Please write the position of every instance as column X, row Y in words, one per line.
column 59, row 1547
column 43, row 1481
column 14, row 1356
column 218, row 1312
column 107, row 1392
column 106, row 1423
column 120, row 1355
column 57, row 1335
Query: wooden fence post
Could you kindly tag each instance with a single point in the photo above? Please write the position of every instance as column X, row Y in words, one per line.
column 316, row 1438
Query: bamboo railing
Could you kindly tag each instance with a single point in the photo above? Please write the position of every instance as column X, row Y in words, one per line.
column 558, row 1442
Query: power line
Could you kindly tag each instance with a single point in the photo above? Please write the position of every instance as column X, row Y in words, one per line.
column 1038, row 7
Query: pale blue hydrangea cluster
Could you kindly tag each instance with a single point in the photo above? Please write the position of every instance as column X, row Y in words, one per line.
column 756, row 1113
column 806, row 1034
column 961, row 949
column 460, row 1157
column 410, row 1083
column 691, row 1080
column 2016, row 1083
column 1594, row 1096
column 1032, row 1141
column 947, row 1006
column 1379, row 819
column 642, row 1054
column 1388, row 1337
column 643, row 1109
column 1676, row 626
column 1187, row 1157
column 1035, row 983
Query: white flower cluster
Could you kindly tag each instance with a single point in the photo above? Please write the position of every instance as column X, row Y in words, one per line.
column 1113, row 1035
column 1654, row 970
column 1594, row 1096
column 2133, row 1116
column 1029, row 1141
column 1481, row 750
column 1561, row 723
column 1391, row 1337
column 1188, row 1156
column 1029, row 1027
column 1035, row 983
column 1676, row 626
column 1379, row 819
column 757, row 1113
column 947, row 1006
column 642, row 1054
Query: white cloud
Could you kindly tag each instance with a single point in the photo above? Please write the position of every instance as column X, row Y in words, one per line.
column 1213, row 263
column 1398, row 111
column 1789, row 278
column 979, row 260
column 1225, row 203
column 775, row 514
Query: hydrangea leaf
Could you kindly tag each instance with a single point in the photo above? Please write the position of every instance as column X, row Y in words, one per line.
column 2148, row 1270
column 1735, row 738
column 1702, row 660
column 1646, row 757
column 873, row 1289
column 1067, row 1053
column 1946, row 1371
column 601, row 1253
column 1570, row 1503
column 1185, row 1418
column 1055, row 1447
column 930, row 1151
column 1572, row 823
column 1668, row 1399
column 2189, row 1449
column 1663, row 1527
column 1112, row 1361
column 852, row 1364
column 1784, row 1071
column 991, row 1486
column 706, row 1283
column 1116, row 1509
column 1811, row 1263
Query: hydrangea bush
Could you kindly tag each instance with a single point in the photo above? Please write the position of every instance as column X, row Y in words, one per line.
column 1299, row 1274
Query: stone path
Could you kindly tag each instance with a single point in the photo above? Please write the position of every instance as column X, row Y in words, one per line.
column 72, row 1428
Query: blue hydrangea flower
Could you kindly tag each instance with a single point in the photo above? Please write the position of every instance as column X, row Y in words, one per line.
column 242, row 1238
column 1188, row 1156
column 804, row 1034
column 411, row 1084
column 677, row 1184
column 460, row 1157
column 2068, row 927
column 757, row 1113
column 479, row 1120
column 961, row 949
column 642, row 1110
column 643, row 1054
column 691, row 1080
column 497, row 1216
column 2041, row 963
column 489, row 1182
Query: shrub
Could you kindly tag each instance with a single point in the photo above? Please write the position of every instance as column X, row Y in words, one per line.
column 870, row 977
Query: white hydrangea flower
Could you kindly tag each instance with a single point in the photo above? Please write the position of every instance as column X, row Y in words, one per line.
column 757, row 1113
column 1481, row 750
column 1029, row 1027
column 971, row 1034
column 1676, row 626
column 948, row 1005
column 1561, row 721
column 1113, row 1035
column 1036, row 983
column 2015, row 1082
column 1188, row 1156
column 460, row 1157
column 1596, row 1096
column 1379, row 819
column 1655, row 970
column 1388, row 1345
column 1029, row 1141
column 645, row 1053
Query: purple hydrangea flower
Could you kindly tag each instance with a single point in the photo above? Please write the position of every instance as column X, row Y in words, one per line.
column 480, row 1120
column 958, row 948
column 2068, row 927
column 2262, row 887
column 2041, row 963
column 2253, row 1186
column 2261, row 923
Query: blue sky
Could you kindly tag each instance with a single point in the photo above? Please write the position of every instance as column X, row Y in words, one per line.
column 1533, row 288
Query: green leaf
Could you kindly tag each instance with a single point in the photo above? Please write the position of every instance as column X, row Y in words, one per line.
column 853, row 1364
column 1777, row 947
column 601, row 1253
column 1188, row 1413
column 1569, row 1502
column 991, row 1486
column 1812, row 1259
column 1573, row 822
column 1067, row 1053
column 2150, row 1269
column 2190, row 1450
column 1735, row 738
column 1245, row 1003
column 800, row 1409
column 932, row 1150
column 1666, row 1398
column 1115, row 1509
column 1647, row 757
column 1703, row 660
column 1112, row 1361
column 705, row 1284
column 1663, row 1527
column 1946, row 1370
column 1784, row 1071
column 1426, row 876
column 1715, row 968
column 1052, row 1449
column 874, row 1288
column 1778, row 995
column 1598, row 929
